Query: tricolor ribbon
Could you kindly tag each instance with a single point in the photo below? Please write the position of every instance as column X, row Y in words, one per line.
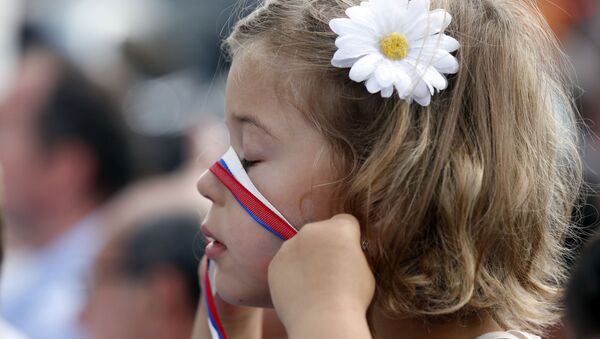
column 230, row 171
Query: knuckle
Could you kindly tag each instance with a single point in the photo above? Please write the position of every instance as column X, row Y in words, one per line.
column 345, row 220
column 308, row 231
column 347, row 224
column 284, row 247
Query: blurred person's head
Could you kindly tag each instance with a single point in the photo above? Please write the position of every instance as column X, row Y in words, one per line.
column 583, row 294
column 145, row 282
column 62, row 149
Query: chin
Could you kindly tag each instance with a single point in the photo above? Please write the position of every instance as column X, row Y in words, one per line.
column 242, row 296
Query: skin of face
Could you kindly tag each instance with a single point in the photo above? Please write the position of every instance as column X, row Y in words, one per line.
column 26, row 168
column 116, row 309
column 290, row 165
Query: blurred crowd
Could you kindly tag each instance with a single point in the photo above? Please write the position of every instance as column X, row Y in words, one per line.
column 109, row 112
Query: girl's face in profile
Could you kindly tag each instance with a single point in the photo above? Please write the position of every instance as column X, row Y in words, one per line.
column 286, row 159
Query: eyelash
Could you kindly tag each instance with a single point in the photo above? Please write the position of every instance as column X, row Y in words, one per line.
column 246, row 164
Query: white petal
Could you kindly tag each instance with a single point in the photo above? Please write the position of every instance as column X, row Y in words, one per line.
column 420, row 90
column 437, row 41
column 343, row 63
column 449, row 43
column 387, row 92
column 430, row 23
column 443, row 61
column 414, row 10
column 426, row 57
column 447, row 64
column 384, row 73
column 419, row 59
column 418, row 6
column 429, row 75
column 363, row 16
column 373, row 86
column 344, row 26
column 357, row 52
column 424, row 100
column 423, row 55
column 361, row 42
column 421, row 94
column 389, row 13
column 364, row 67
column 388, row 4
column 435, row 79
column 403, row 82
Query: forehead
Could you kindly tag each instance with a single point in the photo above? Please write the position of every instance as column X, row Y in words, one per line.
column 262, row 93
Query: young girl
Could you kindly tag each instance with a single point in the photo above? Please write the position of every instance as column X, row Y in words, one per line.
column 445, row 128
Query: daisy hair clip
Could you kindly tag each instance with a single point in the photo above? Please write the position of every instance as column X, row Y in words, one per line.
column 396, row 45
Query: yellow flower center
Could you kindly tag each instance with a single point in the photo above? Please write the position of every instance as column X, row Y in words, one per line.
column 394, row 46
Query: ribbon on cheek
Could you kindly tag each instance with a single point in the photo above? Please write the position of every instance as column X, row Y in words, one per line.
column 230, row 171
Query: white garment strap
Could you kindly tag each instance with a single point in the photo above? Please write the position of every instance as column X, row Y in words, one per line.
column 508, row 335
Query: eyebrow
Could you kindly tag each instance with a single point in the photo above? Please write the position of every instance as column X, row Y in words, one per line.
column 254, row 121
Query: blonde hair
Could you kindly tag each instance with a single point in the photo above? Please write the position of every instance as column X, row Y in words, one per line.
column 464, row 203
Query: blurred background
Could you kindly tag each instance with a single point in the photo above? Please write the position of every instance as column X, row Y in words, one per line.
column 109, row 112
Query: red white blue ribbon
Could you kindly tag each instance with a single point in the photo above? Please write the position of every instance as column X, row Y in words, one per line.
column 217, row 331
column 230, row 171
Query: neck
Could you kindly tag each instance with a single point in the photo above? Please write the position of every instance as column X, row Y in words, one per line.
column 418, row 328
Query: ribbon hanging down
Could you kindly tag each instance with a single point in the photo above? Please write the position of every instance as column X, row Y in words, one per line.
column 230, row 171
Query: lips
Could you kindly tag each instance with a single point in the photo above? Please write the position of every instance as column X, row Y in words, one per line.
column 214, row 248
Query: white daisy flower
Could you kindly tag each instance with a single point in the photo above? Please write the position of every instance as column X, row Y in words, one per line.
column 396, row 44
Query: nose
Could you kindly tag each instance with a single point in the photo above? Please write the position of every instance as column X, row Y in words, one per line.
column 211, row 188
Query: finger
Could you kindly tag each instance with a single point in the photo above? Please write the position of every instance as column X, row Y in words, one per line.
column 347, row 223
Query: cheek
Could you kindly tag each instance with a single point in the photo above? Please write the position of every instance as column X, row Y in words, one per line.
column 283, row 191
column 318, row 204
column 298, row 195
column 252, row 246
column 242, row 274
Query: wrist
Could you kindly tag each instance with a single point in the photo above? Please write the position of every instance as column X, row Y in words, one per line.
column 329, row 322
column 246, row 323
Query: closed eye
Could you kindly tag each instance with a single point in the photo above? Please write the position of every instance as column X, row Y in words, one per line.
column 248, row 163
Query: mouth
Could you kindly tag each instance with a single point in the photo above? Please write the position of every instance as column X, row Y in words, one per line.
column 214, row 248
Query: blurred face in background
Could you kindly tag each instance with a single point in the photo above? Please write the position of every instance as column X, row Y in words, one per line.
column 156, row 305
column 26, row 170
column 116, row 308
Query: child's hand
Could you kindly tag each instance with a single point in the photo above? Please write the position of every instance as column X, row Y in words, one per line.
column 239, row 321
column 320, row 282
